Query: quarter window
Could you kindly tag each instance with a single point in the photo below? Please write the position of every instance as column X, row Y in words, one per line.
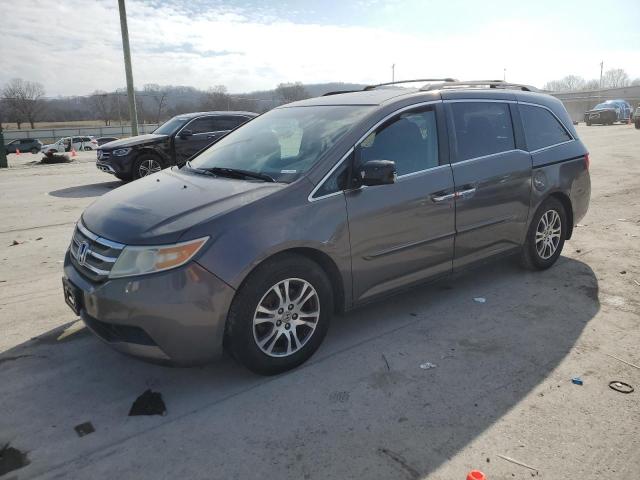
column 482, row 128
column 541, row 128
column 410, row 140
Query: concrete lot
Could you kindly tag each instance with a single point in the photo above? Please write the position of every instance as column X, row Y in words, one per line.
column 362, row 407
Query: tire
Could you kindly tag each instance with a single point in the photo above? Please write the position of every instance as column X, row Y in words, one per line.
column 638, row 124
column 87, row 149
column 588, row 124
column 277, row 329
column 146, row 164
column 536, row 256
column 34, row 151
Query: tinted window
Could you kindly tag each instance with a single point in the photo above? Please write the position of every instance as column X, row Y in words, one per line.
column 171, row 126
column 541, row 128
column 410, row 140
column 26, row 140
column 202, row 125
column 482, row 128
column 337, row 180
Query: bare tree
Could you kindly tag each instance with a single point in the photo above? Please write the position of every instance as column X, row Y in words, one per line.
column 25, row 100
column 636, row 82
column 593, row 84
column 291, row 92
column 616, row 77
column 570, row 83
column 102, row 105
column 217, row 98
column 159, row 96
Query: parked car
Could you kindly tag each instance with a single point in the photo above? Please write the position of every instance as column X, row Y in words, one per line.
column 608, row 112
column 32, row 145
column 102, row 140
column 320, row 206
column 172, row 143
column 636, row 116
column 64, row 144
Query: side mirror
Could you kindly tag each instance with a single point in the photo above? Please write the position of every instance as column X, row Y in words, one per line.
column 377, row 172
column 186, row 133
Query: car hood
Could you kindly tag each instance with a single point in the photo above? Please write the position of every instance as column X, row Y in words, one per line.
column 600, row 110
column 133, row 141
column 159, row 208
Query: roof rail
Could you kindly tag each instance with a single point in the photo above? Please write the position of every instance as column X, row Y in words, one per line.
column 480, row 83
column 371, row 87
column 337, row 92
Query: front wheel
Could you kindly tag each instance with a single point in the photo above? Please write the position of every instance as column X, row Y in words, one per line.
column 146, row 165
column 280, row 315
column 638, row 124
column 546, row 236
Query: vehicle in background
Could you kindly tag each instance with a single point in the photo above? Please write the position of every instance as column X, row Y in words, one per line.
column 102, row 140
column 609, row 112
column 32, row 145
column 78, row 143
column 172, row 143
column 320, row 206
column 636, row 117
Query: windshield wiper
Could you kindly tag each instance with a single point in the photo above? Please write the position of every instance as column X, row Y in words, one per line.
column 238, row 173
column 231, row 172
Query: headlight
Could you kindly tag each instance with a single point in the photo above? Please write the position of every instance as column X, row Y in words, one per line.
column 143, row 260
column 121, row 152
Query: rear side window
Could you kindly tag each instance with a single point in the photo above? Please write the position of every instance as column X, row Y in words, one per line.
column 541, row 128
column 482, row 128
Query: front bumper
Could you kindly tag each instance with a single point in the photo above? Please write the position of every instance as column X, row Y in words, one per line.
column 176, row 316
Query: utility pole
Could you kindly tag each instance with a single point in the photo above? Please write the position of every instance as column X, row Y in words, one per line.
column 3, row 154
column 601, row 66
column 393, row 72
column 133, row 113
column 504, row 74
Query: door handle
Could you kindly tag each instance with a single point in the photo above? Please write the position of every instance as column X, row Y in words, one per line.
column 465, row 193
column 442, row 198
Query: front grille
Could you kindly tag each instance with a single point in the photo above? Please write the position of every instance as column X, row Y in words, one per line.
column 92, row 255
column 103, row 155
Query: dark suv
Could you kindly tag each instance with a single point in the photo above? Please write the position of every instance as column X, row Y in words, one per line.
column 170, row 144
column 322, row 205
column 32, row 145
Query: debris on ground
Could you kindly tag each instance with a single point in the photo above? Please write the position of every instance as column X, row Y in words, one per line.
column 623, row 272
column 636, row 282
column 149, row 403
column 15, row 242
column 427, row 365
column 11, row 459
column 84, row 429
column 623, row 361
column 386, row 362
column 577, row 381
column 509, row 459
column 39, row 238
column 51, row 157
column 580, row 225
column 621, row 387
column 479, row 299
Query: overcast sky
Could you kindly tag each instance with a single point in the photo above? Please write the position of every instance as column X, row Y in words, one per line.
column 73, row 47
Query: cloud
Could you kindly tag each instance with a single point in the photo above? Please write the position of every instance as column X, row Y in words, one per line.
column 75, row 48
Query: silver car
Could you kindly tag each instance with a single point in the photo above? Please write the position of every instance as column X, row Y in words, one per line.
column 319, row 206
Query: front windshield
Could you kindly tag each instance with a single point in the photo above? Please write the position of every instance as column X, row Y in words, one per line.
column 602, row 106
column 283, row 143
column 171, row 126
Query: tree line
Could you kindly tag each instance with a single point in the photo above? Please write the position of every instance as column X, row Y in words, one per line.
column 613, row 78
column 24, row 102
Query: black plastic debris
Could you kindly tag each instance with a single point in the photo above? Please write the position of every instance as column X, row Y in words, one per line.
column 149, row 403
column 84, row 429
column 11, row 459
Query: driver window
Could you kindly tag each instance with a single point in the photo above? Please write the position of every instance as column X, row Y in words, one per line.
column 410, row 140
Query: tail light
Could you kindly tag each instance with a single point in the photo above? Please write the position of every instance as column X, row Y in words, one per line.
column 587, row 162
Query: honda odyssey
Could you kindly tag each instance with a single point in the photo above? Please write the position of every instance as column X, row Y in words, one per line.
column 319, row 206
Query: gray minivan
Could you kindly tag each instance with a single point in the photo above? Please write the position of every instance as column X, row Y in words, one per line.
column 321, row 205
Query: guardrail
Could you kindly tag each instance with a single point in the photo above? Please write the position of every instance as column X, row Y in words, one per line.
column 47, row 135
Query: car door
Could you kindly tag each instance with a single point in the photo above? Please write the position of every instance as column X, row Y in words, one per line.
column 492, row 176
column 403, row 232
column 196, row 135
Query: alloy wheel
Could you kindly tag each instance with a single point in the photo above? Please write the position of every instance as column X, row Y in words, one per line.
column 149, row 166
column 286, row 317
column 548, row 234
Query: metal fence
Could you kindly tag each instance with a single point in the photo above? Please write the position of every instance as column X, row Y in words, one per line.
column 577, row 103
column 47, row 135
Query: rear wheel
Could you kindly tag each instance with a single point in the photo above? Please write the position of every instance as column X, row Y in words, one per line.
column 546, row 236
column 146, row 164
column 280, row 315
column 34, row 150
column 87, row 149
column 638, row 123
column 588, row 124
